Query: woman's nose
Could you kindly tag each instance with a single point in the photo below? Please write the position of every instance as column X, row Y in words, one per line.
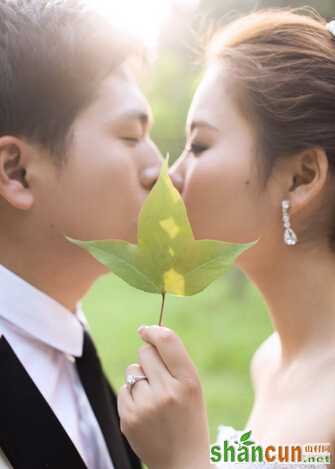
column 177, row 181
column 177, row 174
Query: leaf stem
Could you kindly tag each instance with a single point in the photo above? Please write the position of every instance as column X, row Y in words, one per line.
column 162, row 309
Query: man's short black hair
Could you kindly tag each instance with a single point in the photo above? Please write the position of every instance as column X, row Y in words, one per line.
column 53, row 56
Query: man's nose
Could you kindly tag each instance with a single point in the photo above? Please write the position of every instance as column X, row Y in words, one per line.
column 149, row 176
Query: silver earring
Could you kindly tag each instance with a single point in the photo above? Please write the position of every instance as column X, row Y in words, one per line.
column 290, row 238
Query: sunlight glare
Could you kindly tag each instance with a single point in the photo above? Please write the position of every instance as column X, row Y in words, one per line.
column 141, row 19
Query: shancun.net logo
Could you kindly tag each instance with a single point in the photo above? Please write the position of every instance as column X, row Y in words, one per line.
column 245, row 450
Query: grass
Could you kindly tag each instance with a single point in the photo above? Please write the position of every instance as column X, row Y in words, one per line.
column 221, row 328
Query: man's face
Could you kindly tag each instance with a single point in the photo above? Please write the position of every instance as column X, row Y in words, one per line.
column 101, row 189
column 99, row 192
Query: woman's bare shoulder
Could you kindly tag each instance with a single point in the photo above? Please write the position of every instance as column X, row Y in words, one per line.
column 265, row 358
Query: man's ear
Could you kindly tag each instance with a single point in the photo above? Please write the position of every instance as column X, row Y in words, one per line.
column 14, row 187
column 308, row 178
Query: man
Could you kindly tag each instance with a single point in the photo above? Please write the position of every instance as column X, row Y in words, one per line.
column 76, row 159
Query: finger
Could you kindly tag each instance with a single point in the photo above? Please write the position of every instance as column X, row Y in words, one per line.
column 170, row 348
column 134, row 390
column 125, row 404
column 153, row 366
column 134, row 369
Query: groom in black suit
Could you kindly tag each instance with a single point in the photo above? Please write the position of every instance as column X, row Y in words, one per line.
column 76, row 159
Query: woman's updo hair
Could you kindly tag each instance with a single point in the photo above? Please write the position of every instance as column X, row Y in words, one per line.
column 282, row 62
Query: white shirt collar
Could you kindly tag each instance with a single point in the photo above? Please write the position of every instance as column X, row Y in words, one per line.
column 39, row 315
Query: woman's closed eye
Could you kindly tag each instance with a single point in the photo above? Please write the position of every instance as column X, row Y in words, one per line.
column 196, row 148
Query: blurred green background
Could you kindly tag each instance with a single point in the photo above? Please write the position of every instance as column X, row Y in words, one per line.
column 222, row 326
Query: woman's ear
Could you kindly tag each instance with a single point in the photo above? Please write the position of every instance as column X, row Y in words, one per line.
column 14, row 187
column 309, row 174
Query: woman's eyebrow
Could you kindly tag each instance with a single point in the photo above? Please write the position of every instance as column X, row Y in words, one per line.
column 199, row 123
column 144, row 117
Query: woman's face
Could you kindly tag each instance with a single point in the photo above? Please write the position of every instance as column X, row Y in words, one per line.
column 217, row 170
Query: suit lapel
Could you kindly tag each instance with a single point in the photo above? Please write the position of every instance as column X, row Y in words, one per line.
column 30, row 434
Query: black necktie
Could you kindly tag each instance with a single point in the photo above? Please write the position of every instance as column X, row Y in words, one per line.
column 103, row 402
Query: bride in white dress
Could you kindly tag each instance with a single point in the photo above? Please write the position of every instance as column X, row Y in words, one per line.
column 259, row 163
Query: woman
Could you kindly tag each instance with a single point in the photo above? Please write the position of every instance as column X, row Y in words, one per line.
column 259, row 162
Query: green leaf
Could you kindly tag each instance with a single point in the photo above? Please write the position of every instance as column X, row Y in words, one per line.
column 245, row 436
column 167, row 258
column 248, row 443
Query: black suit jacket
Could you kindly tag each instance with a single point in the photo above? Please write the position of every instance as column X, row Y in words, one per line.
column 31, row 436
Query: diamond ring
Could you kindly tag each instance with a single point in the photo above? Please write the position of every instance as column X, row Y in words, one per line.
column 331, row 27
column 132, row 379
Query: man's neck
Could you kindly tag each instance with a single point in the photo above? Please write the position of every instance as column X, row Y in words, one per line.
column 66, row 281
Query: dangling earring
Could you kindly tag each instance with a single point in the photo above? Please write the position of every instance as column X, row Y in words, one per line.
column 290, row 238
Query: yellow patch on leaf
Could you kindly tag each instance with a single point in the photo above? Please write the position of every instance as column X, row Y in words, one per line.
column 170, row 227
column 173, row 281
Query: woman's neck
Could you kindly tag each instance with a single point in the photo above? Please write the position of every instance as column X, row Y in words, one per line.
column 298, row 287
